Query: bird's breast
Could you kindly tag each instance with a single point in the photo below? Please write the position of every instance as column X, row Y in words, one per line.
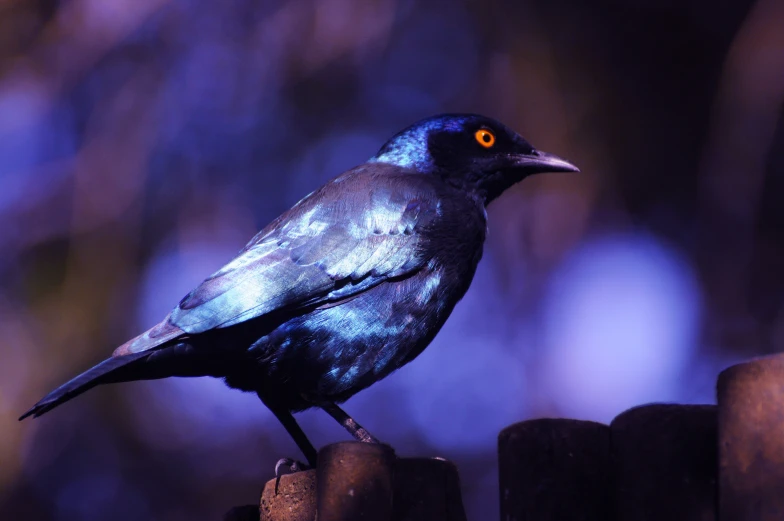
column 342, row 347
column 336, row 351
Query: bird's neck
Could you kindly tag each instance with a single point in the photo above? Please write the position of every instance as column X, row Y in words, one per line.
column 485, row 189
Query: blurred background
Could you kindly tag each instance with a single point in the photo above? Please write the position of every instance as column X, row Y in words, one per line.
column 143, row 142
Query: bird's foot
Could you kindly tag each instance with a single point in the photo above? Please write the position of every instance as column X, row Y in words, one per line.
column 287, row 466
column 361, row 434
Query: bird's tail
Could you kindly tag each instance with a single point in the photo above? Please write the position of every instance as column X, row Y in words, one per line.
column 110, row 370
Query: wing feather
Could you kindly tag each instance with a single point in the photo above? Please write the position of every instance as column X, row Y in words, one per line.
column 340, row 240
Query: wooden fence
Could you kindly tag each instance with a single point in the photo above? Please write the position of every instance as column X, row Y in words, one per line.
column 663, row 462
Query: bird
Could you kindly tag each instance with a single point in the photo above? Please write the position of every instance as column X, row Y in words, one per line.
column 347, row 286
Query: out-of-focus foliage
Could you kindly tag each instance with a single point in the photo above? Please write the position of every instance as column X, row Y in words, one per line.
column 143, row 142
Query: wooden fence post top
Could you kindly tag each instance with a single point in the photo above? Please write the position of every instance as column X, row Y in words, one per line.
column 754, row 369
column 664, row 463
column 358, row 481
column 659, row 408
column 293, row 498
column 427, row 489
column 751, row 440
column 554, row 469
column 355, row 481
column 547, row 426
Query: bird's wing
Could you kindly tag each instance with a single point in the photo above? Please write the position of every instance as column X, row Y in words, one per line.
column 346, row 237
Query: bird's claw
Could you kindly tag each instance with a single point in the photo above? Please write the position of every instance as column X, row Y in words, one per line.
column 290, row 465
column 287, row 466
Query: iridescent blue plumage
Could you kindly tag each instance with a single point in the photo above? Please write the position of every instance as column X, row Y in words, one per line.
column 350, row 284
column 409, row 148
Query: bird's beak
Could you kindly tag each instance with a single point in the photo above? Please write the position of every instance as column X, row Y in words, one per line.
column 540, row 162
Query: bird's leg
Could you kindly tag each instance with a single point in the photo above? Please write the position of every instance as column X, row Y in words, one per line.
column 348, row 423
column 295, row 431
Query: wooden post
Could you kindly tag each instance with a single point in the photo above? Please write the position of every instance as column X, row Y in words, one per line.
column 664, row 463
column 355, row 482
column 359, row 481
column 427, row 489
column 751, row 441
column 554, row 469
column 293, row 498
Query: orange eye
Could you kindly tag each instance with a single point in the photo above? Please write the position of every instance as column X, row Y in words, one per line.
column 485, row 138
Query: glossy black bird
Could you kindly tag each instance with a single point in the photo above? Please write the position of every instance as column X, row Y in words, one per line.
column 347, row 286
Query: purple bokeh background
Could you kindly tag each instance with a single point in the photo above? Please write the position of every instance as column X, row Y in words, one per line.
column 142, row 143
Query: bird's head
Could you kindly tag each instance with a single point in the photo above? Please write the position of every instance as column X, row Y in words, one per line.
column 475, row 153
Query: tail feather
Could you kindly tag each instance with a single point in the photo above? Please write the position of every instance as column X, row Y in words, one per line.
column 105, row 372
